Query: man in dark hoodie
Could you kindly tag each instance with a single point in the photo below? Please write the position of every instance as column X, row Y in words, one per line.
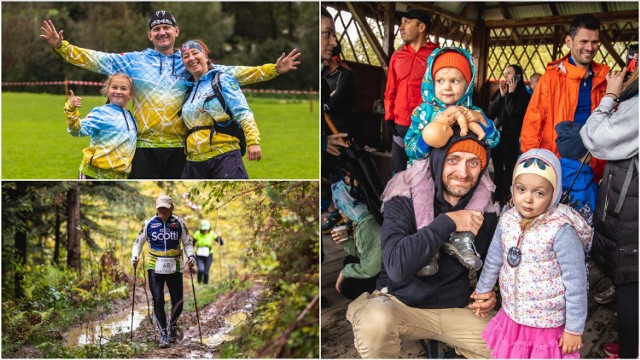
column 422, row 207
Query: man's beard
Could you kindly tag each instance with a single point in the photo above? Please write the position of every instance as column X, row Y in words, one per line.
column 458, row 190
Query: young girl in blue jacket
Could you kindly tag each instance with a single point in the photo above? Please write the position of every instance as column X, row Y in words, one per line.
column 112, row 129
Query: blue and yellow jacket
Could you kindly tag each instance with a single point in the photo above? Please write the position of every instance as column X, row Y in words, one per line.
column 164, row 240
column 159, row 87
column 198, row 112
column 113, row 140
column 415, row 147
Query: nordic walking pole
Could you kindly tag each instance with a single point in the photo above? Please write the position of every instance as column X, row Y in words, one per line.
column 196, row 304
column 133, row 297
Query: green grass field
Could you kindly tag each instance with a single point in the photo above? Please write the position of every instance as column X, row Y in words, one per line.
column 36, row 145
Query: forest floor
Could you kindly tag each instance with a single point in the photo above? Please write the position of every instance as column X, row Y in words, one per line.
column 217, row 320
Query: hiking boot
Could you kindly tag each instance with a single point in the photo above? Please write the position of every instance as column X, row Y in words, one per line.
column 431, row 268
column 611, row 349
column 164, row 340
column 606, row 296
column 332, row 220
column 173, row 334
column 460, row 246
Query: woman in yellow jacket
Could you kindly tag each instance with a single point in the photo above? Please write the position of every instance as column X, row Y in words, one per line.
column 203, row 241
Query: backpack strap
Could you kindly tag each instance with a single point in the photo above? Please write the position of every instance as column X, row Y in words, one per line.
column 633, row 163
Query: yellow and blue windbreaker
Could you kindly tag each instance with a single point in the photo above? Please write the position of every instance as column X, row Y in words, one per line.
column 113, row 140
column 159, row 87
column 196, row 112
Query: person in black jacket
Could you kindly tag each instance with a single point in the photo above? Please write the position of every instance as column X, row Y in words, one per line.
column 406, row 304
column 507, row 108
column 342, row 88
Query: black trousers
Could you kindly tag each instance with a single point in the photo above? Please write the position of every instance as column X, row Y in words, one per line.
column 627, row 306
column 204, row 263
column 158, row 163
column 504, row 158
column 156, row 285
column 352, row 287
column 398, row 155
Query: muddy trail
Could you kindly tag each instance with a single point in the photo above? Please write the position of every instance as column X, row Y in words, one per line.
column 217, row 319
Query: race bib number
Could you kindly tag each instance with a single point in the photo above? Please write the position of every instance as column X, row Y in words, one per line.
column 165, row 265
column 202, row 251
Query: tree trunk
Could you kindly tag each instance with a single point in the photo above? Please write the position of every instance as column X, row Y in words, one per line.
column 21, row 243
column 56, row 251
column 73, row 225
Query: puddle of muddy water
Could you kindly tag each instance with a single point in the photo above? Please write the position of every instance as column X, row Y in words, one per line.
column 101, row 331
column 231, row 321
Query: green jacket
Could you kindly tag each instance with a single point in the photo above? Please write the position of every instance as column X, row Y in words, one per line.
column 204, row 240
column 367, row 249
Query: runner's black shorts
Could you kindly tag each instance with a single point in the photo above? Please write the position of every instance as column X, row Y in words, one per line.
column 158, row 163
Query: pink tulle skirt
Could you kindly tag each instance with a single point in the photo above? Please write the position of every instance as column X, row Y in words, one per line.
column 509, row 340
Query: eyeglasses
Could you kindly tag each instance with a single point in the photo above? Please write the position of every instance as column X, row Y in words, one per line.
column 541, row 163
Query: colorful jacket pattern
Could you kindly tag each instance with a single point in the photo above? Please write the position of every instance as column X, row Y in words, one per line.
column 197, row 112
column 160, row 86
column 113, row 140
column 431, row 106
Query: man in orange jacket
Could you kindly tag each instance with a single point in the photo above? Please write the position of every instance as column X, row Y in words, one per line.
column 404, row 78
column 570, row 90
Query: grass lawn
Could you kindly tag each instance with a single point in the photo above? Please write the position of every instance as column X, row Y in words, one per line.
column 36, row 145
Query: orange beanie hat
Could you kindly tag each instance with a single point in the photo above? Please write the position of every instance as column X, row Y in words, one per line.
column 470, row 146
column 452, row 59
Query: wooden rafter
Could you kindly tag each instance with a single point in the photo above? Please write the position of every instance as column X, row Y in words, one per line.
column 561, row 20
column 368, row 33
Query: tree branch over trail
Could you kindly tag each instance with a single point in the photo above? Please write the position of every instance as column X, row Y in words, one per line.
column 282, row 340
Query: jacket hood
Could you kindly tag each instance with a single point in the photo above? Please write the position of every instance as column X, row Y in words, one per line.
column 563, row 66
column 549, row 158
column 437, row 158
column 428, row 88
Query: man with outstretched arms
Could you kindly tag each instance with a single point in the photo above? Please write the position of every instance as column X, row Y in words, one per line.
column 159, row 90
column 164, row 232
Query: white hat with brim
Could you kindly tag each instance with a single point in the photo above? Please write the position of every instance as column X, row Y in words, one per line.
column 164, row 201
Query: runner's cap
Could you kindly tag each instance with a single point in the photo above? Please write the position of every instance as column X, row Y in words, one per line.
column 164, row 201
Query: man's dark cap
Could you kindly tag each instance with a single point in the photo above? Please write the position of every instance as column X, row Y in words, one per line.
column 416, row 14
column 162, row 17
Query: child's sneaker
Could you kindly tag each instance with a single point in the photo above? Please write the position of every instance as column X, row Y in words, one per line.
column 460, row 246
column 606, row 296
column 431, row 268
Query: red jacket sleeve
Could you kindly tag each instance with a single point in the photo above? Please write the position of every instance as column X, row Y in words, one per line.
column 535, row 116
column 390, row 92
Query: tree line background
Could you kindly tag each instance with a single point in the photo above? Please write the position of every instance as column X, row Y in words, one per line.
column 66, row 248
column 237, row 33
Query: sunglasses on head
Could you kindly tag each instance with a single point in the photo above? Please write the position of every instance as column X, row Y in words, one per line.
column 541, row 163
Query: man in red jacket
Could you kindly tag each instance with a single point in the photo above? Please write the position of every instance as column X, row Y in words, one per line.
column 404, row 78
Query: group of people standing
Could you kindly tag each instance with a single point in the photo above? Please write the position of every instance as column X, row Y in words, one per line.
column 533, row 230
column 191, row 119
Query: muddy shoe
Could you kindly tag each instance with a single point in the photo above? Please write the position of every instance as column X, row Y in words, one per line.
column 460, row 246
column 332, row 220
column 431, row 268
column 173, row 334
column 164, row 340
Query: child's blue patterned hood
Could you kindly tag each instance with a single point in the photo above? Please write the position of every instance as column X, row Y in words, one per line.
column 427, row 88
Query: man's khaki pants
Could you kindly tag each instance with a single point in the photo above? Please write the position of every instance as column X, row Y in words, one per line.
column 380, row 321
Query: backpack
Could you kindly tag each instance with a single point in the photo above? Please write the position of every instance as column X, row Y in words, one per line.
column 230, row 127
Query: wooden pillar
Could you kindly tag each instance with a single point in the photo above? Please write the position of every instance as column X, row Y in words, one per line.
column 480, row 44
column 388, row 36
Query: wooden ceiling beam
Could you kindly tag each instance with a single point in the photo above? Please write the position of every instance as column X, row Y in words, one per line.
column 377, row 48
column 560, row 20
column 434, row 9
